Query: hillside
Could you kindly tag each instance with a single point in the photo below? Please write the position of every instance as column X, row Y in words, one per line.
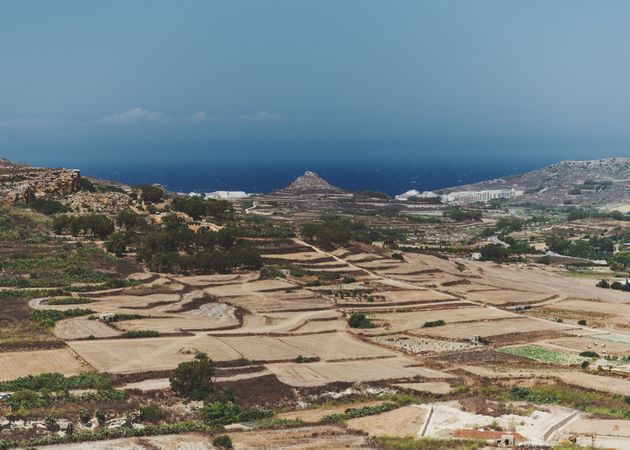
column 603, row 183
column 310, row 183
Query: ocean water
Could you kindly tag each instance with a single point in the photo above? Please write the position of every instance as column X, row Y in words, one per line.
column 392, row 177
column 263, row 166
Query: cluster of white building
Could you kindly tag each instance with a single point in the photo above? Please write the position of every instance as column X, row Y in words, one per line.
column 463, row 197
column 221, row 195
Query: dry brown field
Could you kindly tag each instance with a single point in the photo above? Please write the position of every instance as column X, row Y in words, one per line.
column 19, row 364
column 489, row 328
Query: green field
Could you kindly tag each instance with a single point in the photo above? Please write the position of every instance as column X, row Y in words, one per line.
column 545, row 355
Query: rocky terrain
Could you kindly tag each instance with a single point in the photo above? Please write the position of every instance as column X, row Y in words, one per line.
column 310, row 183
column 598, row 183
column 19, row 182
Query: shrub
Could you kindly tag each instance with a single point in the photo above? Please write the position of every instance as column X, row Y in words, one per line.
column 48, row 207
column 222, row 441
column 194, row 379
column 100, row 416
column 305, row 359
column 433, row 323
column 603, row 284
column 589, row 354
column 581, row 322
column 151, row 412
column 84, row 415
column 51, row 424
column 224, row 413
column 584, row 364
column 359, row 320
column 136, row 334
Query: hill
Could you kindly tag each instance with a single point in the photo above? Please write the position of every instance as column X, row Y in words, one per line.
column 310, row 183
column 603, row 183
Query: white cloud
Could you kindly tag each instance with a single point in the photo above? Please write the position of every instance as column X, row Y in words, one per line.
column 31, row 122
column 136, row 115
column 262, row 116
column 204, row 117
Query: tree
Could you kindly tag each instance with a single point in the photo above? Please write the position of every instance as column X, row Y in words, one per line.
column 116, row 244
column 129, row 219
column 150, row 193
column 194, row 379
column 494, row 252
column 359, row 320
column 222, row 441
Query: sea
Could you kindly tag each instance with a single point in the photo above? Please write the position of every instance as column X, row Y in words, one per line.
column 391, row 177
column 261, row 167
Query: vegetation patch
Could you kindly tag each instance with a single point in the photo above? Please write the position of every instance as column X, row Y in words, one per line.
column 48, row 317
column 543, row 354
column 136, row 334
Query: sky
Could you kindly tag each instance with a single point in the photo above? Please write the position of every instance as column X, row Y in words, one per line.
column 201, row 79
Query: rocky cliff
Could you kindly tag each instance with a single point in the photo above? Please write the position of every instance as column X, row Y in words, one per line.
column 20, row 182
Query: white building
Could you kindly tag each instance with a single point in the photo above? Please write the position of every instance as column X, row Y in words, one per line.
column 413, row 193
column 226, row 195
column 464, row 197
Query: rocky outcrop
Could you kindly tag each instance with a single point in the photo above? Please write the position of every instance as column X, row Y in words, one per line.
column 100, row 202
column 20, row 182
column 310, row 183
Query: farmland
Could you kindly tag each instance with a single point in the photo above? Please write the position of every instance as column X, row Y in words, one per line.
column 358, row 339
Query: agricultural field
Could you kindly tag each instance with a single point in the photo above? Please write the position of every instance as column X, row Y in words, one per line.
column 544, row 355
column 356, row 340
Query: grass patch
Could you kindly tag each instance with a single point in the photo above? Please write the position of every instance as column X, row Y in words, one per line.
column 543, row 354
column 57, row 382
column 69, row 301
column 48, row 317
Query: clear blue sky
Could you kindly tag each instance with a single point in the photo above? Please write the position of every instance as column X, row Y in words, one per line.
column 86, row 78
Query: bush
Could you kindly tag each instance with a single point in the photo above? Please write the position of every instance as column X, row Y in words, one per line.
column 194, row 379
column 359, row 320
column 222, row 441
column 603, row 284
column 151, row 412
column 48, row 207
column 51, row 424
column 589, row 354
column 494, row 252
column 100, row 416
column 224, row 413
column 581, row 322
column 84, row 416
column 433, row 323
column 584, row 364
column 137, row 334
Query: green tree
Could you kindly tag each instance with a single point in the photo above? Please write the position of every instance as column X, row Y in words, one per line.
column 194, row 379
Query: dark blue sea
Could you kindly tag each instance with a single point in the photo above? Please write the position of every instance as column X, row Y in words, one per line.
column 259, row 167
column 392, row 177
